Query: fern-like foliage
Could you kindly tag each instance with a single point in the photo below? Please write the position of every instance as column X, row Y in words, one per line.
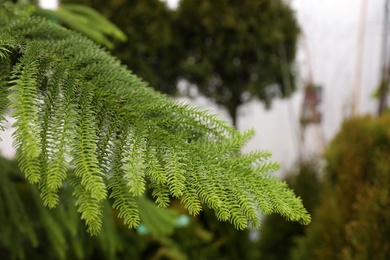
column 77, row 108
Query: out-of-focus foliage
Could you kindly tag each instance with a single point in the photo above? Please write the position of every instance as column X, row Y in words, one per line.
column 352, row 220
column 278, row 236
column 231, row 50
column 29, row 229
column 151, row 50
column 207, row 238
column 368, row 235
column 86, row 21
column 235, row 50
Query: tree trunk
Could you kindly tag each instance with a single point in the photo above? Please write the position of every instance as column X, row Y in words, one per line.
column 234, row 118
column 383, row 91
column 232, row 109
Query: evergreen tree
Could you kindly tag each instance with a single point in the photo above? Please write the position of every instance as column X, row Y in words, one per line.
column 352, row 218
column 237, row 50
column 78, row 109
column 231, row 50
column 368, row 234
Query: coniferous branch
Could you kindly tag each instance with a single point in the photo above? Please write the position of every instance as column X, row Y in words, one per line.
column 77, row 108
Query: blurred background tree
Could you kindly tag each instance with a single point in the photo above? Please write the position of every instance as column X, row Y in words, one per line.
column 352, row 219
column 236, row 50
column 230, row 50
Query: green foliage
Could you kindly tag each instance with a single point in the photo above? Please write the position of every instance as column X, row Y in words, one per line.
column 305, row 182
column 352, row 218
column 77, row 108
column 232, row 49
column 207, row 238
column 29, row 229
column 368, row 233
column 87, row 21
column 152, row 51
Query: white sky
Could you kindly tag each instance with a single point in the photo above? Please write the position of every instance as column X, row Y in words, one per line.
column 171, row 3
column 331, row 32
column 49, row 4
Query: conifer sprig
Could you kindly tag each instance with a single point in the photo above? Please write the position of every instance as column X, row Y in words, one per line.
column 77, row 108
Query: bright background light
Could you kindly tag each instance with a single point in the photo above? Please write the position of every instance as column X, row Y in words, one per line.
column 49, row 4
